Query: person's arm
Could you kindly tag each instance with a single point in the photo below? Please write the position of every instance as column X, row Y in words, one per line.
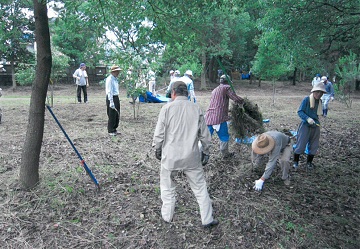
column 76, row 75
column 232, row 95
column 86, row 78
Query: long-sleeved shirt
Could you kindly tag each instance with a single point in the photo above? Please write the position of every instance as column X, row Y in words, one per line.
column 329, row 89
column 306, row 112
column 111, row 87
column 179, row 129
column 281, row 141
column 218, row 110
column 190, row 86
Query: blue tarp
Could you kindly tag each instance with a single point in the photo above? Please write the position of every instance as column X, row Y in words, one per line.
column 153, row 99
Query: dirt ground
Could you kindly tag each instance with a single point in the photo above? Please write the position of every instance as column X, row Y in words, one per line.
column 320, row 209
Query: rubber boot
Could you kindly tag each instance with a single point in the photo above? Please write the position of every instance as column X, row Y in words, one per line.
column 309, row 164
column 224, row 149
column 296, row 161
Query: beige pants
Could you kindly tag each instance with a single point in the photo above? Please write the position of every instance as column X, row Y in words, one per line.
column 198, row 186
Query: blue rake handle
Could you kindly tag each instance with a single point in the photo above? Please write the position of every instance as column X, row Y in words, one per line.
column 82, row 161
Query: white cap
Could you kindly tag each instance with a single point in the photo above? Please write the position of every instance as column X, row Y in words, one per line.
column 189, row 72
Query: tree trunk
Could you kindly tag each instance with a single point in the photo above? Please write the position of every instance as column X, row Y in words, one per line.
column 12, row 66
column 294, row 76
column 203, row 73
column 29, row 170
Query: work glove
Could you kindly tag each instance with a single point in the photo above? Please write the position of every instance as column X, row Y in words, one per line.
column 310, row 121
column 158, row 154
column 204, row 158
column 331, row 98
column 258, row 185
column 78, row 78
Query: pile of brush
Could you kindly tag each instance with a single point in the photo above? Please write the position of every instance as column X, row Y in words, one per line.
column 246, row 120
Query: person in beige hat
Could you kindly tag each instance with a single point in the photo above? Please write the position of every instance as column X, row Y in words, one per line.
column 112, row 100
column 308, row 133
column 277, row 146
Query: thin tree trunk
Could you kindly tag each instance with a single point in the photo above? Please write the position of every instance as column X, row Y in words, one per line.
column 12, row 66
column 29, row 170
column 203, row 73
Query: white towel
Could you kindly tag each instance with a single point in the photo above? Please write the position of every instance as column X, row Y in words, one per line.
column 312, row 104
column 216, row 127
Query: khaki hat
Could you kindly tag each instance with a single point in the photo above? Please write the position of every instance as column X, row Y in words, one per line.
column 263, row 144
column 323, row 79
column 115, row 68
column 189, row 72
column 319, row 87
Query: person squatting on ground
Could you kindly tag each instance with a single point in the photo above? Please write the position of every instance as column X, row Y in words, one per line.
column 316, row 80
column 216, row 116
column 179, row 129
column 112, row 100
column 308, row 133
column 187, row 78
column 82, row 81
column 176, row 77
column 328, row 96
column 278, row 146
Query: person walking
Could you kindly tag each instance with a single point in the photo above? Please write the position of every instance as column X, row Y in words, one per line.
column 316, row 80
column 216, row 116
column 112, row 100
column 82, row 81
column 308, row 133
column 328, row 96
column 180, row 127
column 277, row 146
column 176, row 77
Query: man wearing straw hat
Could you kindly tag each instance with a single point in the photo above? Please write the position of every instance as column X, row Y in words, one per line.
column 278, row 146
column 112, row 100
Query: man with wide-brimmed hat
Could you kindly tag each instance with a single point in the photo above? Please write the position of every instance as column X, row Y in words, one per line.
column 308, row 133
column 112, row 100
column 277, row 146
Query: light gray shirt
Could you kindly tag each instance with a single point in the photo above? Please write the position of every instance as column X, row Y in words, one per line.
column 180, row 127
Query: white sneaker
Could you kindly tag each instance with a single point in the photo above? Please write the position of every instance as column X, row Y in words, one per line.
column 112, row 134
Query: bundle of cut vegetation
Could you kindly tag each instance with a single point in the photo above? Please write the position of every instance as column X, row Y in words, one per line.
column 246, row 120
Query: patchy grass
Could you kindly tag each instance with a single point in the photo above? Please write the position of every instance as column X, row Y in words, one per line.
column 320, row 209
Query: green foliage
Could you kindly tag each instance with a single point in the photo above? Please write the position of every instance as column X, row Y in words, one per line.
column 348, row 69
column 25, row 74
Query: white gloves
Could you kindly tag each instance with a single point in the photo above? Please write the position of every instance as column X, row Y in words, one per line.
column 331, row 98
column 78, row 78
column 310, row 121
column 258, row 185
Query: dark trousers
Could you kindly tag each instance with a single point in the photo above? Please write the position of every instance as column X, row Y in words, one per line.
column 113, row 115
column 79, row 93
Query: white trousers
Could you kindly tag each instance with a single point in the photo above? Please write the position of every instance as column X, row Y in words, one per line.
column 197, row 183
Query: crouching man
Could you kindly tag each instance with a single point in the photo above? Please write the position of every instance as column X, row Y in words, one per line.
column 180, row 127
column 278, row 146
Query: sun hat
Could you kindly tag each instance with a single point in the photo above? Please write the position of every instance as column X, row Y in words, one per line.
column 263, row 144
column 323, row 79
column 189, row 72
column 319, row 87
column 177, row 72
column 171, row 71
column 82, row 65
column 115, row 68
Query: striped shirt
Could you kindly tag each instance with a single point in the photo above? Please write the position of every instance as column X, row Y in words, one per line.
column 218, row 110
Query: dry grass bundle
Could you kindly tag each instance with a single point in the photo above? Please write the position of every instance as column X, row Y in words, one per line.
column 246, row 120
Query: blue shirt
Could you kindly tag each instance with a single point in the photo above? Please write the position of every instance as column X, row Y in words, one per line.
column 306, row 112
column 329, row 89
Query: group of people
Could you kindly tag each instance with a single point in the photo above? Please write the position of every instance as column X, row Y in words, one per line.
column 328, row 96
column 183, row 132
column 187, row 78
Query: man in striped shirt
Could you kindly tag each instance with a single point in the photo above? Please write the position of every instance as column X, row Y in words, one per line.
column 217, row 115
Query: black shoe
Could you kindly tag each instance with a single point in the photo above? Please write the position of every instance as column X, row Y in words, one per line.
column 215, row 222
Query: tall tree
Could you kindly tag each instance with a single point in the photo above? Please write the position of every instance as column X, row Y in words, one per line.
column 29, row 170
column 16, row 29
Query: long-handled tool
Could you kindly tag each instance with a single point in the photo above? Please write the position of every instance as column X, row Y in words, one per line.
column 323, row 128
column 82, row 161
